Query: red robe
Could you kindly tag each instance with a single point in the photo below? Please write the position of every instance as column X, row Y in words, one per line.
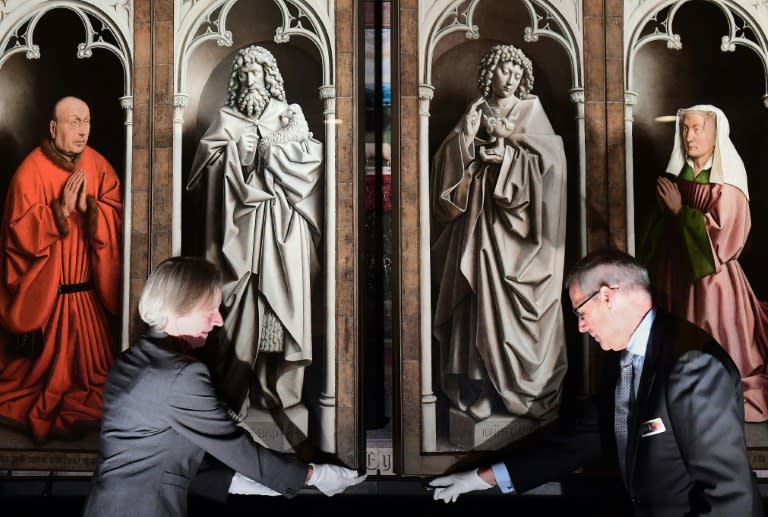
column 58, row 390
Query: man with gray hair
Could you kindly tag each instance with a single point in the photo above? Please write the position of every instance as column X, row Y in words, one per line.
column 670, row 414
column 259, row 169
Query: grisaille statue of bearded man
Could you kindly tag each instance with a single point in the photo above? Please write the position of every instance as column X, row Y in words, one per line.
column 498, row 203
column 260, row 168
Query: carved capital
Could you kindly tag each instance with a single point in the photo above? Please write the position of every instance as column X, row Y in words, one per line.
column 33, row 52
column 426, row 92
column 180, row 100
column 577, row 95
column 327, row 91
column 179, row 103
column 630, row 99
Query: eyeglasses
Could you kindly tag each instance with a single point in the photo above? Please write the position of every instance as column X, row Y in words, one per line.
column 576, row 310
column 78, row 123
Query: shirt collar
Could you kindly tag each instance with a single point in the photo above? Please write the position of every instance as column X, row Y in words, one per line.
column 638, row 342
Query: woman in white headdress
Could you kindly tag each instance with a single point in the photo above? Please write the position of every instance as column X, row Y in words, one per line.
column 692, row 247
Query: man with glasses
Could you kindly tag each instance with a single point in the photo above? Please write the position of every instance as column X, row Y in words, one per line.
column 61, row 268
column 670, row 414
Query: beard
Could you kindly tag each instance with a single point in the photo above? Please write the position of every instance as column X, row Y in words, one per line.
column 251, row 101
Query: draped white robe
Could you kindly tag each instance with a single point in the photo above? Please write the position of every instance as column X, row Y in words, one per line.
column 262, row 227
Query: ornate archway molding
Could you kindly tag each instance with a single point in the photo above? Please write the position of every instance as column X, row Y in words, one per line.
column 561, row 22
column 200, row 21
column 652, row 21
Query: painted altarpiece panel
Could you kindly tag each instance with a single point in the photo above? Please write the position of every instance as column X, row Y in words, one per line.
column 301, row 37
column 680, row 54
column 47, row 51
column 102, row 32
column 452, row 38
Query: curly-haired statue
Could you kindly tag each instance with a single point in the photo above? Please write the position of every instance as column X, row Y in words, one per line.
column 260, row 170
column 498, row 200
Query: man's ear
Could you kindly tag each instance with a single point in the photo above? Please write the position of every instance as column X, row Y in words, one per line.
column 52, row 128
column 607, row 293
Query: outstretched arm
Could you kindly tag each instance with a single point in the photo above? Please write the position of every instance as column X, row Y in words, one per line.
column 549, row 454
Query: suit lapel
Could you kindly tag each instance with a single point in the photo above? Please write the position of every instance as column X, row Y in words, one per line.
column 650, row 367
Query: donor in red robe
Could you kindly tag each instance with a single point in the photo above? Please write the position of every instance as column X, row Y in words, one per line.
column 60, row 284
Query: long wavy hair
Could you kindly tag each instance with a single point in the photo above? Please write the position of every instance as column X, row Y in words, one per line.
column 495, row 57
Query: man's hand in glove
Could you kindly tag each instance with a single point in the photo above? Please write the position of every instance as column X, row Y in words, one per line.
column 450, row 487
column 332, row 479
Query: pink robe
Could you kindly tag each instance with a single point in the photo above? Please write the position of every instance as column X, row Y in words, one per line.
column 57, row 392
column 721, row 302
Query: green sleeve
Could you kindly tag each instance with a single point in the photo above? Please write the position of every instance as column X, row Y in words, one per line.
column 696, row 239
column 652, row 235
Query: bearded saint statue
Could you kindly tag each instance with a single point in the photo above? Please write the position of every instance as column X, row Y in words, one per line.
column 259, row 169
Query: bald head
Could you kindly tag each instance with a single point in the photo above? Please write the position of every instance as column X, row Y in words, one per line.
column 70, row 126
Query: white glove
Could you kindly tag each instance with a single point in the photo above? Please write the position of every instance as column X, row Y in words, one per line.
column 332, row 479
column 246, row 486
column 450, row 487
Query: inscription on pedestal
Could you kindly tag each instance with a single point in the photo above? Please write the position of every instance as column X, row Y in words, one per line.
column 379, row 459
column 280, row 431
column 492, row 433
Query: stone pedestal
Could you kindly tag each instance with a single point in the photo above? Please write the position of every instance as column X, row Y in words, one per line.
column 494, row 432
column 278, row 430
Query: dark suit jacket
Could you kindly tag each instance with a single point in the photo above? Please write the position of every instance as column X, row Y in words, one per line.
column 161, row 419
column 686, row 452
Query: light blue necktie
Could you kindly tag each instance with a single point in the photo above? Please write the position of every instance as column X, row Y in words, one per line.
column 624, row 395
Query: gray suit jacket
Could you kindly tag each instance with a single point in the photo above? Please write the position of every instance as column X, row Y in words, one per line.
column 686, row 452
column 161, row 419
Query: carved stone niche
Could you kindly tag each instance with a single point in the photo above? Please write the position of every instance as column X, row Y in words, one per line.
column 453, row 36
column 49, row 50
column 301, row 35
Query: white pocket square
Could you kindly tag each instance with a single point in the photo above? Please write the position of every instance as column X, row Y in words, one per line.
column 652, row 427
